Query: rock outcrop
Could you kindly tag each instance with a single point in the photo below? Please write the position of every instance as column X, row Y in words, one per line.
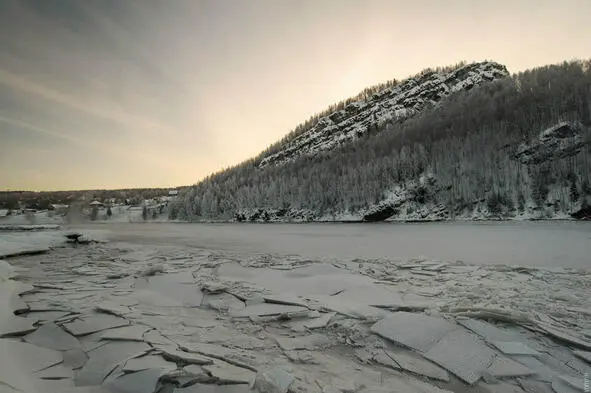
column 390, row 105
column 415, row 200
column 560, row 141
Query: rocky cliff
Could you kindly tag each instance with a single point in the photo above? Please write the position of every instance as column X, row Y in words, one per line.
column 390, row 105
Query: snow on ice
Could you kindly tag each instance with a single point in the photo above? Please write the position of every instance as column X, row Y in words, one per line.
column 217, row 321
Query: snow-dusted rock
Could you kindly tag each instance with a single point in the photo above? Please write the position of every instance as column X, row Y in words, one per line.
column 392, row 104
column 559, row 141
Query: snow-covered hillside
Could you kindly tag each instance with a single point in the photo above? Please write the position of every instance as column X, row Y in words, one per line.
column 517, row 147
column 393, row 104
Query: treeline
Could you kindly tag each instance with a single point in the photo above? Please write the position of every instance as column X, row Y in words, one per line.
column 43, row 199
column 468, row 142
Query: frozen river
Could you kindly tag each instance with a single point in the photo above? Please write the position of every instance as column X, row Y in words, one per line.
column 540, row 243
column 176, row 304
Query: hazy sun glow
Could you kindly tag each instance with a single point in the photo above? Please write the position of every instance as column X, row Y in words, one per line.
column 142, row 93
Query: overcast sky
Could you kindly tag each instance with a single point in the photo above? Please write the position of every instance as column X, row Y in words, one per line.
column 136, row 93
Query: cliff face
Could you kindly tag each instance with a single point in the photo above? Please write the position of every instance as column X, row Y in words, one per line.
column 390, row 105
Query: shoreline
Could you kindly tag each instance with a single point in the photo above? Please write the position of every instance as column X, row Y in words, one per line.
column 559, row 219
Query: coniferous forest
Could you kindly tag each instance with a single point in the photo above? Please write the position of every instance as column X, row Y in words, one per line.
column 519, row 146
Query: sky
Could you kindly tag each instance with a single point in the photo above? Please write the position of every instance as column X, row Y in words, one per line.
column 152, row 93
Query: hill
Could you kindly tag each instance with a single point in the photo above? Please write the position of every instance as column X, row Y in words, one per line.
column 463, row 142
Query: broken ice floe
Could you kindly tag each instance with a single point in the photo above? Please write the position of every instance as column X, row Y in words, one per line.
column 92, row 324
column 226, row 373
column 219, row 321
column 462, row 354
column 268, row 310
column 51, row 336
column 503, row 367
column 415, row 331
column 273, row 381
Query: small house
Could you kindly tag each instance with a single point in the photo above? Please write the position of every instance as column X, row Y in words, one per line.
column 58, row 208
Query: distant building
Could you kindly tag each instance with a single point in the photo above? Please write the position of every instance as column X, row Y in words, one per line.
column 173, row 193
column 58, row 208
column 96, row 203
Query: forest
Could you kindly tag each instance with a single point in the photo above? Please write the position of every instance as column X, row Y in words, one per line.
column 468, row 145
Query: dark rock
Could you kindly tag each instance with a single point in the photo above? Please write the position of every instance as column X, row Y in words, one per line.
column 379, row 214
column 583, row 214
column 560, row 141
column 73, row 237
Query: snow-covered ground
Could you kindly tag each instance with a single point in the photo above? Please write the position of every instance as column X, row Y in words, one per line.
column 39, row 218
column 139, row 317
